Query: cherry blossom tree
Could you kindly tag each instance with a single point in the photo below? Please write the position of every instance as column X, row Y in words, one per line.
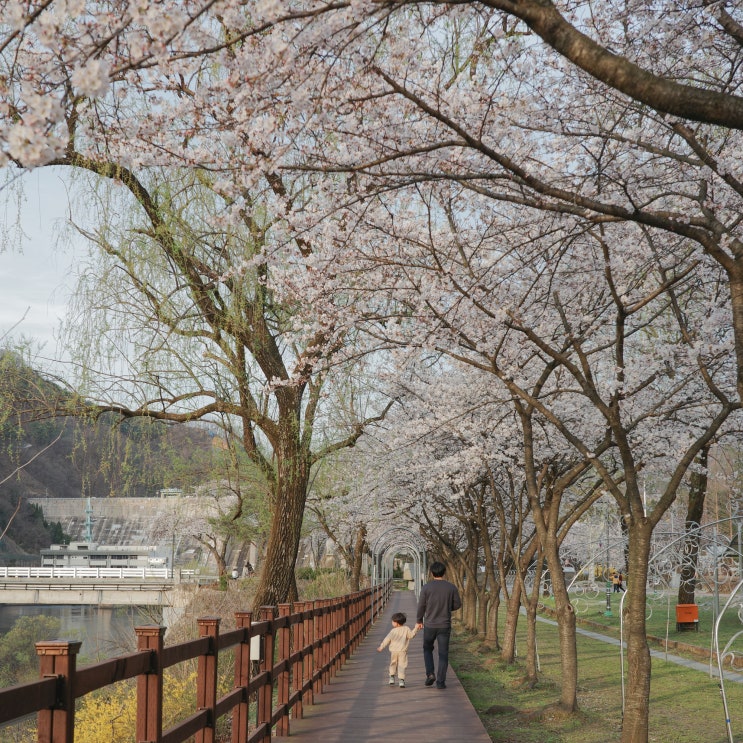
column 660, row 193
column 625, row 367
column 643, row 52
column 343, row 510
column 442, row 446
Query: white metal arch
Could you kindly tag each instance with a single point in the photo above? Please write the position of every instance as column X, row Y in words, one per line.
column 390, row 542
column 701, row 533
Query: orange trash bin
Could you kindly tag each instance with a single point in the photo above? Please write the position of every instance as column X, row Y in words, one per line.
column 687, row 617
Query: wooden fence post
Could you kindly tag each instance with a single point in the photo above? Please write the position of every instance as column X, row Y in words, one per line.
column 334, row 637
column 346, row 633
column 265, row 692
column 58, row 659
column 206, row 686
column 317, row 645
column 337, row 629
column 358, row 618
column 326, row 629
column 346, row 619
column 150, row 687
column 282, row 726
column 309, row 642
column 241, row 713
column 352, row 623
column 299, row 667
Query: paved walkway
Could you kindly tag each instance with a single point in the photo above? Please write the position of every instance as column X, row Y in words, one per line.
column 359, row 705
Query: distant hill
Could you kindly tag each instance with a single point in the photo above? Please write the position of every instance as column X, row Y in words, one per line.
column 70, row 458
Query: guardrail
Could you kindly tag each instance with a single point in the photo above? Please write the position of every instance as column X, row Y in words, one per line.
column 82, row 572
column 302, row 646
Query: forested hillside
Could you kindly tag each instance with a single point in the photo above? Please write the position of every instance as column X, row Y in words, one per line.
column 71, row 458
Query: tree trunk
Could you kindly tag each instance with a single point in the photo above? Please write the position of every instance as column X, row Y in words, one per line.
column 635, row 721
column 358, row 557
column 469, row 606
column 277, row 574
column 530, row 605
column 565, row 627
column 532, row 677
column 513, row 605
column 491, row 632
column 293, row 590
column 694, row 513
column 508, row 649
column 482, row 613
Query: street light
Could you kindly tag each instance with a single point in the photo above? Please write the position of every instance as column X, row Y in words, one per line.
column 608, row 613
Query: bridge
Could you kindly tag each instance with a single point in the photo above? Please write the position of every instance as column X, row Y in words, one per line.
column 71, row 586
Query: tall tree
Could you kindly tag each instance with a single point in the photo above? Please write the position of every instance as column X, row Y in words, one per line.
column 187, row 317
column 620, row 338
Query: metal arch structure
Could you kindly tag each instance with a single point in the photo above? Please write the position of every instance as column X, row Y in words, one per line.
column 668, row 559
column 390, row 542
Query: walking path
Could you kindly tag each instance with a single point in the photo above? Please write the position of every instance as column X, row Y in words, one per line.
column 359, row 705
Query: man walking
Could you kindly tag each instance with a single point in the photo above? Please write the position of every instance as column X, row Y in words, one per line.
column 438, row 599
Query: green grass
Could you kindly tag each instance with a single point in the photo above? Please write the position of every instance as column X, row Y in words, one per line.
column 685, row 705
column 661, row 620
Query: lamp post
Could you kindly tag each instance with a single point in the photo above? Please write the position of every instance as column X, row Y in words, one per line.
column 607, row 612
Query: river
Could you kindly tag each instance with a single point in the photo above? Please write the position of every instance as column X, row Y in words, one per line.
column 105, row 632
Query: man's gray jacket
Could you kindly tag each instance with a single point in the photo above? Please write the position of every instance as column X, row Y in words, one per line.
column 438, row 599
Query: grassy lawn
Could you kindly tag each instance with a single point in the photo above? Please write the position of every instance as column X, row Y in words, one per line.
column 661, row 619
column 685, row 705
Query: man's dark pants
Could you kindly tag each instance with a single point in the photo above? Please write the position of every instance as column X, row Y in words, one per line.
column 440, row 636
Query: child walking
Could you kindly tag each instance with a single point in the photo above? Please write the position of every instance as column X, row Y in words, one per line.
column 398, row 638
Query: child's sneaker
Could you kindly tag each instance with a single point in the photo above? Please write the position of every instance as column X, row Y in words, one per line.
column 402, row 683
column 392, row 680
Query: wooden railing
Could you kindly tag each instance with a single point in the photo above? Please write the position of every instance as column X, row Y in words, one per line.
column 302, row 646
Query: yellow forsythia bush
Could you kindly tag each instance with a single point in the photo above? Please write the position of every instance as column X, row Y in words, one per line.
column 111, row 713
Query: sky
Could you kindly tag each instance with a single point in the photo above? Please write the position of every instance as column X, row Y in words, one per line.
column 36, row 272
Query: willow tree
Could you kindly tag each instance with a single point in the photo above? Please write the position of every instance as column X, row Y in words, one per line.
column 186, row 313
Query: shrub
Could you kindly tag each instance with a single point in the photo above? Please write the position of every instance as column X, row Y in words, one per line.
column 306, row 573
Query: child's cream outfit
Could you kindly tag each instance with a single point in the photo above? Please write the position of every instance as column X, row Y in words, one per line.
column 398, row 639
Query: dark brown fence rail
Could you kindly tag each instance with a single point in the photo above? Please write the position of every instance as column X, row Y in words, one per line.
column 302, row 646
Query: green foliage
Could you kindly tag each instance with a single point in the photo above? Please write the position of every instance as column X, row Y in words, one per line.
column 18, row 659
column 57, row 533
column 28, row 530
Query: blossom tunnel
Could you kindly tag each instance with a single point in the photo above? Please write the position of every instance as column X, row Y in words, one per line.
column 395, row 541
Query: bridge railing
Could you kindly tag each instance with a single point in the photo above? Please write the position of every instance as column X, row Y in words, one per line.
column 301, row 646
column 74, row 572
